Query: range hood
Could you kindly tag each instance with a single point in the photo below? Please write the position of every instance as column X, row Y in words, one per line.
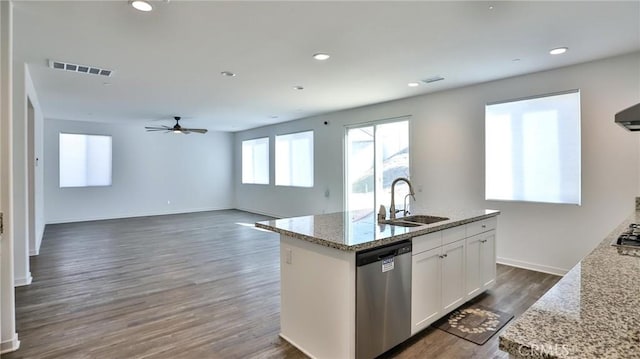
column 629, row 118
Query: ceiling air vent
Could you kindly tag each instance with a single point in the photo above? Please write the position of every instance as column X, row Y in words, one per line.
column 85, row 69
column 433, row 79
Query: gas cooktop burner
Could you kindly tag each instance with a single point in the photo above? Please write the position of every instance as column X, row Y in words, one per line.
column 630, row 237
column 628, row 242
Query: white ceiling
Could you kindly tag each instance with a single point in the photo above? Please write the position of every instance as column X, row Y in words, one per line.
column 168, row 62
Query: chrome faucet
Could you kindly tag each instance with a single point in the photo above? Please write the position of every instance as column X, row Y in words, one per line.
column 392, row 209
column 405, row 207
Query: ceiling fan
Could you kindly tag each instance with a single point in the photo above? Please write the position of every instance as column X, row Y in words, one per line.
column 176, row 128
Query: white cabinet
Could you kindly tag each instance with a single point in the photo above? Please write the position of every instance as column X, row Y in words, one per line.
column 450, row 267
column 474, row 258
column 437, row 283
column 453, row 293
column 426, row 280
column 480, row 262
column 437, row 280
column 488, row 263
column 481, row 226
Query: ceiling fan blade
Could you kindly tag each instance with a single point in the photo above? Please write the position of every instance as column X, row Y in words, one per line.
column 176, row 128
column 197, row 130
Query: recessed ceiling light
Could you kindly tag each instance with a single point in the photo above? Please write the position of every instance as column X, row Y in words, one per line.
column 141, row 5
column 298, row 88
column 558, row 50
column 413, row 84
column 321, row 56
column 490, row 7
column 227, row 73
column 106, row 83
column 274, row 116
column 515, row 60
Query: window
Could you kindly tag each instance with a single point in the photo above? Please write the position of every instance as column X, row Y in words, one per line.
column 294, row 159
column 85, row 160
column 376, row 155
column 255, row 161
column 533, row 149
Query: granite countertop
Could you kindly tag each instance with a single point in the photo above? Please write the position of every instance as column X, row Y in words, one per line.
column 592, row 312
column 353, row 231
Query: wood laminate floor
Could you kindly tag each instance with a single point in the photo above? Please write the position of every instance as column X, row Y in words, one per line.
column 198, row 285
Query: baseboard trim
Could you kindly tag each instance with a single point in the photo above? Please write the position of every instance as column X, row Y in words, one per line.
column 135, row 215
column 10, row 345
column 532, row 266
column 294, row 343
column 19, row 282
column 258, row 212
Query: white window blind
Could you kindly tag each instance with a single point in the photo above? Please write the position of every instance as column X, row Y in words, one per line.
column 85, row 160
column 294, row 159
column 255, row 161
column 533, row 149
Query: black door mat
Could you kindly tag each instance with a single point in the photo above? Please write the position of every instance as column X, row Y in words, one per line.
column 474, row 323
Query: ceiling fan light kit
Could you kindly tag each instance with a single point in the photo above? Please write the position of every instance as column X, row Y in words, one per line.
column 176, row 128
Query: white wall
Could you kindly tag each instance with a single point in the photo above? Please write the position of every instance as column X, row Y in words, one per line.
column 35, row 197
column 8, row 336
column 21, row 82
column 26, row 238
column 193, row 172
column 293, row 201
column 447, row 161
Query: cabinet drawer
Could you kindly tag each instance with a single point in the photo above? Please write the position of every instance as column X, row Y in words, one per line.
column 478, row 227
column 426, row 242
column 451, row 235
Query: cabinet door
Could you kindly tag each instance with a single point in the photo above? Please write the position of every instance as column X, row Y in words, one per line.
column 474, row 280
column 425, row 289
column 453, row 276
column 488, row 259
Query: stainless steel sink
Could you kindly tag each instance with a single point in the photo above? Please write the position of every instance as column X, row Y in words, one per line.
column 422, row 219
column 397, row 222
column 414, row 221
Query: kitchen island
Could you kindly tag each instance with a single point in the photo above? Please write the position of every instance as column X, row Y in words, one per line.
column 592, row 312
column 318, row 271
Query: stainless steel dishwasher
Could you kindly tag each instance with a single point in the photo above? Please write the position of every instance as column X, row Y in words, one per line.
column 383, row 299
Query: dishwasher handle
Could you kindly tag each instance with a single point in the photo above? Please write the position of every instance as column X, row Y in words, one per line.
column 392, row 253
column 378, row 254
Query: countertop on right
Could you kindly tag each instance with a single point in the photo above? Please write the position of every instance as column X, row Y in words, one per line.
column 592, row 312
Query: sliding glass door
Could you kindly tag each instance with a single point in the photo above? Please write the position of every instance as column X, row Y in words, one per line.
column 377, row 153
